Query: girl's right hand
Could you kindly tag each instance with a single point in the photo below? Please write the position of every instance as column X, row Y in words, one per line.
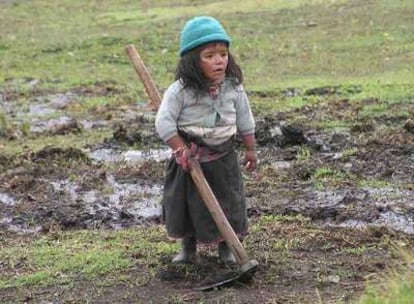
column 182, row 156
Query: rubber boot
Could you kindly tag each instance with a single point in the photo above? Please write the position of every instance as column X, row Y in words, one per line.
column 225, row 254
column 188, row 251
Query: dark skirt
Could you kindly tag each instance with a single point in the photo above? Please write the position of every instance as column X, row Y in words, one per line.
column 185, row 214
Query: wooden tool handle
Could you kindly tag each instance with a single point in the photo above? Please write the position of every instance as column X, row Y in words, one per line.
column 145, row 76
column 217, row 213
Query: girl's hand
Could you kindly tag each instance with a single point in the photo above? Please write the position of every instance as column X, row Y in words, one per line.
column 250, row 160
column 182, row 156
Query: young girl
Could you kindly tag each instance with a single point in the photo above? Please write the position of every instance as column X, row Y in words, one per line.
column 199, row 117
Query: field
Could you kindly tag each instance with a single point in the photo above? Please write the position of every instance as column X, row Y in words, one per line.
column 330, row 206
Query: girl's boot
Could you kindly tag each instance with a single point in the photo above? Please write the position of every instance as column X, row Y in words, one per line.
column 225, row 254
column 188, row 250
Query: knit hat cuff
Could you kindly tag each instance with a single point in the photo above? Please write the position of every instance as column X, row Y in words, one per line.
column 206, row 39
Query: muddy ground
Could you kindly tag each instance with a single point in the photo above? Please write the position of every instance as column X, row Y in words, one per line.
column 363, row 194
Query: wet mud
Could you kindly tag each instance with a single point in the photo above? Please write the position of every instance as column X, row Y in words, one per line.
column 118, row 182
column 357, row 174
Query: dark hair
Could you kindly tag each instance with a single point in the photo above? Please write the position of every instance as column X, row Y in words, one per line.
column 191, row 76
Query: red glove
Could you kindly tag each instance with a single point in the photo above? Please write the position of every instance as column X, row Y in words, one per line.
column 182, row 155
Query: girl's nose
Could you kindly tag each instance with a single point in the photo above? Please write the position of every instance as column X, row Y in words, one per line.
column 218, row 59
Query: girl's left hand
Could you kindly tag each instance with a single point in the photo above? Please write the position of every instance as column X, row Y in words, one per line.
column 250, row 160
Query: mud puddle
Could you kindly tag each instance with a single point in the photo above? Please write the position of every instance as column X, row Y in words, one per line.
column 46, row 112
column 63, row 202
column 354, row 175
column 131, row 156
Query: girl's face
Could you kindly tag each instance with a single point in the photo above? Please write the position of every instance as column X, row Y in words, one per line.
column 214, row 58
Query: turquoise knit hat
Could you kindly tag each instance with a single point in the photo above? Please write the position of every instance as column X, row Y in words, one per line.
column 200, row 30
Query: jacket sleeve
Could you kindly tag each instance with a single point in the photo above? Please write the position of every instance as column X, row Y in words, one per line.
column 168, row 113
column 245, row 120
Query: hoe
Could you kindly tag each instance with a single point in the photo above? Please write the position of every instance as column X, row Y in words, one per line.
column 247, row 266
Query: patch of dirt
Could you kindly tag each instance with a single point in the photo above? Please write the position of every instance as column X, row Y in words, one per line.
column 331, row 264
column 56, row 189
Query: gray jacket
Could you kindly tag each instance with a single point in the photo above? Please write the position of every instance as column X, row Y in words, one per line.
column 180, row 109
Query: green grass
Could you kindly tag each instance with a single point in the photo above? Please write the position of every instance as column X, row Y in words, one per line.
column 71, row 140
column 331, row 124
column 304, row 154
column 81, row 254
column 4, row 124
column 396, row 287
column 279, row 43
column 374, row 183
column 347, row 153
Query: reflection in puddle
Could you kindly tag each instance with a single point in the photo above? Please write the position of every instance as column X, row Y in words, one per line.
column 87, row 124
column 132, row 156
column 115, row 205
column 18, row 228
column 281, row 165
column 53, row 125
column 63, row 123
column 133, row 201
column 40, row 110
column 378, row 207
column 46, row 105
column 7, row 199
column 61, row 101
column 157, row 155
column 398, row 222
column 106, row 155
